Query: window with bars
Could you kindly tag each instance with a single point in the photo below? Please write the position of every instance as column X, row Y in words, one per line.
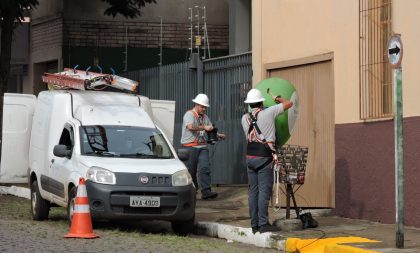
column 375, row 72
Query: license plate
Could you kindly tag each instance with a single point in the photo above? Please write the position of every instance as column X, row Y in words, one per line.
column 142, row 201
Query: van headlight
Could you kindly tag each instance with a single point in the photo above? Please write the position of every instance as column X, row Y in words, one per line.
column 100, row 175
column 181, row 178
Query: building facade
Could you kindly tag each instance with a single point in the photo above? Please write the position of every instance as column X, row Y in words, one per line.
column 19, row 58
column 335, row 53
column 68, row 33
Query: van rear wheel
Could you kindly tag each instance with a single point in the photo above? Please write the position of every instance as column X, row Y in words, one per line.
column 183, row 228
column 40, row 207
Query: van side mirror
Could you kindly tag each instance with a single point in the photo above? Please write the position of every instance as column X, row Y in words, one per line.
column 62, row 151
column 183, row 154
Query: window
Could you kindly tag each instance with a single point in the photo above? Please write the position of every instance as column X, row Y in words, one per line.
column 375, row 72
column 124, row 141
column 66, row 137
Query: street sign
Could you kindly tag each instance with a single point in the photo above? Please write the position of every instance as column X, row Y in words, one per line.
column 395, row 54
column 395, row 50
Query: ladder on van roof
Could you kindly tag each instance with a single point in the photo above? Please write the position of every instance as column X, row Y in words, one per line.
column 85, row 80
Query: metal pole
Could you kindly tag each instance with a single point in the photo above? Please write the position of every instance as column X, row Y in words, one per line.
column 161, row 35
column 205, row 35
column 160, row 60
column 69, row 65
column 126, row 50
column 191, row 33
column 198, row 29
column 289, row 191
column 399, row 165
column 200, row 75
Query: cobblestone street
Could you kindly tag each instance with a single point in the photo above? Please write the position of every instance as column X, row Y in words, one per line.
column 19, row 233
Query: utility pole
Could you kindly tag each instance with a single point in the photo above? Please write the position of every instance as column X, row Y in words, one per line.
column 160, row 59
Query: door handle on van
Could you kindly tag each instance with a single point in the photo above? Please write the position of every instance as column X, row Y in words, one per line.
column 52, row 160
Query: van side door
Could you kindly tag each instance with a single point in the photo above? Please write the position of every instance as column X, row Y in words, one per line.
column 164, row 116
column 61, row 167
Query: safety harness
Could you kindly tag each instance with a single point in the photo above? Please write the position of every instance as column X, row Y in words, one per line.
column 260, row 147
column 197, row 141
column 257, row 144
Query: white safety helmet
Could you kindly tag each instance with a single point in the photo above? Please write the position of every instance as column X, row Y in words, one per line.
column 202, row 99
column 254, row 96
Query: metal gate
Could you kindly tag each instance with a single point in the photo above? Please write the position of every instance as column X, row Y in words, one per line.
column 226, row 80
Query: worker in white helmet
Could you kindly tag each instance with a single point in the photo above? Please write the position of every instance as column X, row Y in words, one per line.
column 259, row 128
column 195, row 126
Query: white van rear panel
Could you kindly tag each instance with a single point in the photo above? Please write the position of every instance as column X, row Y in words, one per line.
column 164, row 117
column 17, row 122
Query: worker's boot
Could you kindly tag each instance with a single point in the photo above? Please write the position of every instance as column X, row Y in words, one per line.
column 208, row 195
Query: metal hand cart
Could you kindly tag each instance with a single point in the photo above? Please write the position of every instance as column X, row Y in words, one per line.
column 291, row 169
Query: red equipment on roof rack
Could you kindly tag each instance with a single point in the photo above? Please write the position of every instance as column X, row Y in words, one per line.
column 84, row 80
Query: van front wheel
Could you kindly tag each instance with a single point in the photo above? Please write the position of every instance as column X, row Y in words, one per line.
column 183, row 228
column 39, row 206
column 71, row 204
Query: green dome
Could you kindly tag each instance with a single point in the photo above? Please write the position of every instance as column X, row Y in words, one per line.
column 285, row 121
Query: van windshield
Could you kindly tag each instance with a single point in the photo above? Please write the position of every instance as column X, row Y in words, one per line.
column 124, row 141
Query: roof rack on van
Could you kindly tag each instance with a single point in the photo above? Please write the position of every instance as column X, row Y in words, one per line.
column 85, row 80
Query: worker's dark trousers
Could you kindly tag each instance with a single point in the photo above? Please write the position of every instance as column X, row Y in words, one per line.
column 260, row 181
column 199, row 158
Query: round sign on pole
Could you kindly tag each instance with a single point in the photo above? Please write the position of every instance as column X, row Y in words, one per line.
column 395, row 50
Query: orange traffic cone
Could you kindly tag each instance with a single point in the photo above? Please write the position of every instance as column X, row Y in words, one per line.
column 81, row 224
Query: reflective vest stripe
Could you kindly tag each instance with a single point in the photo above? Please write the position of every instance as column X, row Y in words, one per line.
column 193, row 144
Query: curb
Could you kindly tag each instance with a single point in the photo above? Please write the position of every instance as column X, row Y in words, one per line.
column 273, row 240
column 16, row 191
column 239, row 234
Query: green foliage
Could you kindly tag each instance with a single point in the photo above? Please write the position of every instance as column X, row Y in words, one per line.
column 10, row 11
column 15, row 10
column 127, row 8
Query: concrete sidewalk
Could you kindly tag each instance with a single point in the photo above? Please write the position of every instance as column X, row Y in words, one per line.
column 227, row 217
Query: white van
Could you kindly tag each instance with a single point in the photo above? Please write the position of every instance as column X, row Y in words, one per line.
column 111, row 139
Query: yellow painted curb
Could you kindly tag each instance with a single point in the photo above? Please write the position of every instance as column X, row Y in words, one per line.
column 326, row 245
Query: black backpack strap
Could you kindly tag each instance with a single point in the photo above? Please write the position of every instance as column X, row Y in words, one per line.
column 254, row 124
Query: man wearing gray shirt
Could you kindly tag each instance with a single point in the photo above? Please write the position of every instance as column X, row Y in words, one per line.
column 195, row 126
column 260, row 132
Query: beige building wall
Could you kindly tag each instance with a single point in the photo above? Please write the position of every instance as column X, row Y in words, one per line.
column 405, row 21
column 285, row 30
